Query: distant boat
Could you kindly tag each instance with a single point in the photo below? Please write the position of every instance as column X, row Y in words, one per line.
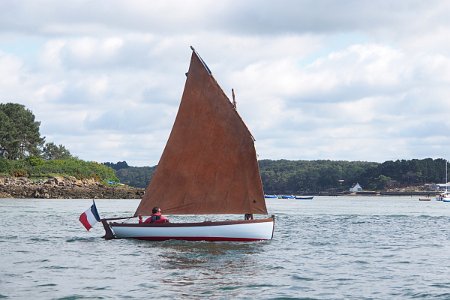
column 288, row 197
column 270, row 196
column 209, row 166
column 424, row 199
column 304, row 197
column 445, row 197
column 439, row 197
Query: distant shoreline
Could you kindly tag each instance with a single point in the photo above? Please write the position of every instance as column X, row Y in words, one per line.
column 371, row 193
column 61, row 187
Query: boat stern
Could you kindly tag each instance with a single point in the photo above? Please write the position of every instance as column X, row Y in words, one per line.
column 109, row 235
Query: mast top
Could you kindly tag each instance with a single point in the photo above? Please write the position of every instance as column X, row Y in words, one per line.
column 202, row 61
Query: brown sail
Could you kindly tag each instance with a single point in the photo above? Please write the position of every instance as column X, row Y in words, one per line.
column 209, row 164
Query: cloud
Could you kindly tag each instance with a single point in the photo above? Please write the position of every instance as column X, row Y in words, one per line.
column 10, row 70
column 354, row 80
column 229, row 16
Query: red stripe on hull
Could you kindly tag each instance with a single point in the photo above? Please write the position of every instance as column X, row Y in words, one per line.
column 208, row 239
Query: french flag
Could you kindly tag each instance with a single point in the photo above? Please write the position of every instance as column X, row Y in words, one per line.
column 90, row 217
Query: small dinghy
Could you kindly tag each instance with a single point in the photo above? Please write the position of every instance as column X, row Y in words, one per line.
column 304, row 197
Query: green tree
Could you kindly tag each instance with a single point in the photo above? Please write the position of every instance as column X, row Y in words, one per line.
column 51, row 151
column 5, row 133
column 19, row 132
column 119, row 165
column 136, row 176
column 382, row 181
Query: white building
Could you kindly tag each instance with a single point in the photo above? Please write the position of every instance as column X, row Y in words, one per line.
column 356, row 188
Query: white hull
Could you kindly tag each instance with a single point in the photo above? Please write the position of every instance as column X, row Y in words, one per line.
column 443, row 197
column 243, row 230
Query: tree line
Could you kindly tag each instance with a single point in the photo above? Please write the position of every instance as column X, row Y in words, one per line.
column 302, row 176
column 133, row 176
column 297, row 177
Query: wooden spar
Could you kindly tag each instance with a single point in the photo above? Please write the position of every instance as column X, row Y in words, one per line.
column 118, row 218
column 234, row 98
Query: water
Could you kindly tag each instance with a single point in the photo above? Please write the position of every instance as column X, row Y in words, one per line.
column 327, row 248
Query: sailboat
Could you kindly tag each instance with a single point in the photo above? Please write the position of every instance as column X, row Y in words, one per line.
column 208, row 167
column 446, row 196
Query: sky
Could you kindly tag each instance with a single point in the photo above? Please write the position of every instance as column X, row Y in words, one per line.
column 352, row 80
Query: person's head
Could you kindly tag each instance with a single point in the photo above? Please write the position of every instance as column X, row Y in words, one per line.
column 156, row 210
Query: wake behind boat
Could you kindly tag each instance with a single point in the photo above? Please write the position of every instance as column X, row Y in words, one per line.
column 209, row 166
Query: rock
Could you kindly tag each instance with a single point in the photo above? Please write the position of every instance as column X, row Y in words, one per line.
column 50, row 181
column 64, row 188
column 5, row 195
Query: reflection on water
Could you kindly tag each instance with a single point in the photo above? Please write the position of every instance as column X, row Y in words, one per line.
column 220, row 257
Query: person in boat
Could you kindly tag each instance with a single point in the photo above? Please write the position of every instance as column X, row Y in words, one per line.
column 156, row 217
column 248, row 216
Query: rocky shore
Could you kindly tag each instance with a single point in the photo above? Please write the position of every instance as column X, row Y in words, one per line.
column 59, row 187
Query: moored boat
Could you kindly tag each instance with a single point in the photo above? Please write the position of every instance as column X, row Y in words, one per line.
column 304, row 197
column 270, row 196
column 445, row 196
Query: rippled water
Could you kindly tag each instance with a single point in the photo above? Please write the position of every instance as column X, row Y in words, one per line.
column 327, row 248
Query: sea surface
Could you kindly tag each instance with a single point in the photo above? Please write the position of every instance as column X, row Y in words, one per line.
column 326, row 248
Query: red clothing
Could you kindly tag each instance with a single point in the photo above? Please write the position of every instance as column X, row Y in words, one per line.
column 156, row 218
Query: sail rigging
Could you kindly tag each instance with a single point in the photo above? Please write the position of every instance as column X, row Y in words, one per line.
column 209, row 164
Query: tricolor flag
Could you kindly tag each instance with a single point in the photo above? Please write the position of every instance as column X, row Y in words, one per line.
column 90, row 217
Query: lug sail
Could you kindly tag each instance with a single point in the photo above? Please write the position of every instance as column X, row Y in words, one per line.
column 209, row 164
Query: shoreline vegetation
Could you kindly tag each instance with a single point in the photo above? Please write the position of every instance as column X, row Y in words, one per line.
column 68, row 187
column 72, row 178
column 314, row 177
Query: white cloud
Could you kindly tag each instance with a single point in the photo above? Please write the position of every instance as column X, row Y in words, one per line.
column 354, row 80
column 10, row 71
